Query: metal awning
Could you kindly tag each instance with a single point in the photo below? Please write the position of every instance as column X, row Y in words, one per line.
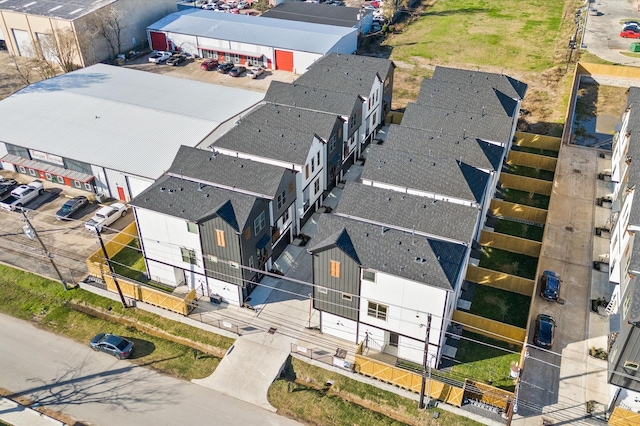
column 233, row 52
column 47, row 168
column 262, row 243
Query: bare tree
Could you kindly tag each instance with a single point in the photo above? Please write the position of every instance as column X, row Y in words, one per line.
column 108, row 23
column 60, row 46
column 23, row 69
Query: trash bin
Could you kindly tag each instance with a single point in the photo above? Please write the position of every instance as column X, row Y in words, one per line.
column 215, row 298
column 99, row 197
column 634, row 47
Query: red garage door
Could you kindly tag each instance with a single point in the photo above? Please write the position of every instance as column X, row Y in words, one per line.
column 284, row 60
column 158, row 41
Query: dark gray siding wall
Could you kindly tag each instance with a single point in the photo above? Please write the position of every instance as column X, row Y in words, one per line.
column 349, row 283
column 626, row 349
column 221, row 270
column 288, row 185
column 249, row 238
column 18, row 151
column 387, row 95
column 336, row 139
column 357, row 112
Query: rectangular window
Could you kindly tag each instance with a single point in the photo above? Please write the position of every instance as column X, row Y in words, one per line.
column 313, row 165
column 369, row 276
column 251, row 261
column 306, row 171
column 188, row 255
column 192, row 227
column 61, row 180
column 32, row 172
column 316, row 186
column 346, row 296
column 332, row 144
column 259, row 223
column 318, row 158
column 22, row 169
column 322, row 290
column 377, row 310
column 247, row 233
column 48, row 176
column 220, row 240
column 334, row 268
column 282, row 199
column 77, row 184
column 285, row 216
column 87, row 186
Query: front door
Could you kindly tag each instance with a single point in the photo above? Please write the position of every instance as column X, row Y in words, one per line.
column 121, row 196
column 391, row 348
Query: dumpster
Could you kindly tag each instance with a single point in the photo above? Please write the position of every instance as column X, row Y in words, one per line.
column 635, row 47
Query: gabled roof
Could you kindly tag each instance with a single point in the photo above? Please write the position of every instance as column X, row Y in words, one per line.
column 344, row 80
column 292, row 94
column 508, row 85
column 492, row 128
column 267, row 141
column 241, row 28
column 429, row 261
column 287, row 117
column 381, row 66
column 473, row 151
column 408, row 212
column 466, row 97
column 117, row 118
column 315, row 13
column 443, row 176
column 192, row 202
column 67, row 9
column 228, row 172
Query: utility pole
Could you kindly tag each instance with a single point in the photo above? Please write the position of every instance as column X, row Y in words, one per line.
column 113, row 273
column 31, row 232
column 424, row 365
column 310, row 308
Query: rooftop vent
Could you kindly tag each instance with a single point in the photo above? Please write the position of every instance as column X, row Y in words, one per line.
column 162, row 189
column 420, row 260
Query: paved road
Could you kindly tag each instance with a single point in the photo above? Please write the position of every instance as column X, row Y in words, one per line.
column 94, row 387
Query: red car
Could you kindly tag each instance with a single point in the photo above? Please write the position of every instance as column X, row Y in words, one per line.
column 209, row 64
column 630, row 33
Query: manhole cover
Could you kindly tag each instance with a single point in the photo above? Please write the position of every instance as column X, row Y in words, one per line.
column 568, row 228
column 577, row 171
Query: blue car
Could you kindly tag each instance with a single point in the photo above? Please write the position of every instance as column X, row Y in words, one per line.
column 550, row 285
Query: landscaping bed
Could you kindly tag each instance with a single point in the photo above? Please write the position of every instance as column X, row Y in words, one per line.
column 518, row 229
column 530, row 199
column 508, row 262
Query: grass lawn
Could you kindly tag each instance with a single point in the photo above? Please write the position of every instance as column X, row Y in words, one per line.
column 484, row 363
column 501, row 305
column 496, row 33
column 508, row 262
column 530, row 199
column 129, row 262
column 517, row 229
column 531, row 172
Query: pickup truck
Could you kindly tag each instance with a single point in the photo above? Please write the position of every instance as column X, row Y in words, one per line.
column 159, row 56
column 6, row 186
column 22, row 195
column 106, row 216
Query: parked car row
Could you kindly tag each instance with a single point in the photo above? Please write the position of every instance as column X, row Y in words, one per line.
column 228, row 6
column 163, row 57
column 545, row 324
column 234, row 70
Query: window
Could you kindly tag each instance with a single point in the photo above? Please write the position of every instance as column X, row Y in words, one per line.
column 322, row 290
column 369, row 276
column 285, row 216
column 247, row 233
column 32, row 172
column 188, row 255
column 22, row 169
column 291, row 186
column 377, row 310
column 334, row 268
column 306, row 171
column 48, row 176
column 332, row 144
column 88, row 186
column 313, row 165
column 374, row 120
column 220, row 240
column 77, row 184
column 192, row 227
column 318, row 158
column 282, row 199
column 251, row 261
column 259, row 223
column 316, row 186
column 61, row 180
column 631, row 365
column 346, row 296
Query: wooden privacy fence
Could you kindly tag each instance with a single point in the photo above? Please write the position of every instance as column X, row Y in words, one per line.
column 525, row 183
column 502, row 208
column 394, row 117
column 510, row 243
column 488, row 394
column 496, row 279
column 531, row 140
column 622, row 417
column 490, row 328
column 535, row 161
column 585, row 68
column 408, row 380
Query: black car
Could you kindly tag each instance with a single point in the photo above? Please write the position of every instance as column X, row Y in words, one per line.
column 117, row 346
column 70, row 207
column 6, row 186
column 543, row 335
column 225, row 67
column 237, row 71
column 176, row 59
column 550, row 285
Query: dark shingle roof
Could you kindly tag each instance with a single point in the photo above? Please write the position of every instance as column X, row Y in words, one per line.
column 473, row 151
column 459, row 123
column 343, row 80
column 295, row 95
column 190, row 201
column 508, row 85
column 408, row 212
column 226, row 171
column 381, row 66
column 314, row 13
column 466, row 97
column 303, row 120
column 267, row 141
column 433, row 262
column 442, row 176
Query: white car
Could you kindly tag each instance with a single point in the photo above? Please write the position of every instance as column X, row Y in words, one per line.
column 243, row 4
column 254, row 72
column 106, row 216
column 159, row 57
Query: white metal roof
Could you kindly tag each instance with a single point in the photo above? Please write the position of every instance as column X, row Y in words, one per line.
column 277, row 33
column 122, row 119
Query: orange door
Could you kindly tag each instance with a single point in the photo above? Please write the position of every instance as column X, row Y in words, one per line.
column 121, row 194
column 284, row 60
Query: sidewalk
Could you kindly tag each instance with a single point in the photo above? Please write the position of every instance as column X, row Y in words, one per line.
column 18, row 415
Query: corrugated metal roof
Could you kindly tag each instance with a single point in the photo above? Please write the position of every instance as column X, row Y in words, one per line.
column 279, row 33
column 123, row 119
column 67, row 9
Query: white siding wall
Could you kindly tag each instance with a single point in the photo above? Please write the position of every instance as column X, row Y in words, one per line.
column 347, row 44
column 303, row 60
column 138, row 184
column 339, row 327
column 184, row 43
column 230, row 293
column 163, row 236
column 117, row 180
column 100, row 180
column 164, row 273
